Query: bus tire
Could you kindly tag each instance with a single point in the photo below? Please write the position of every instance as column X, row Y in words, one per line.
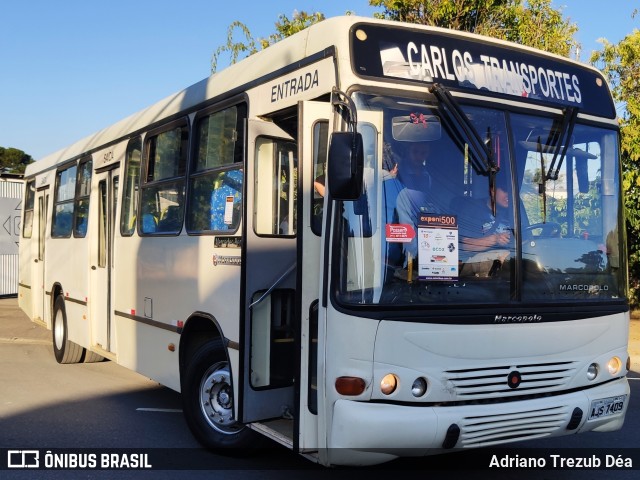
column 92, row 357
column 64, row 350
column 207, row 399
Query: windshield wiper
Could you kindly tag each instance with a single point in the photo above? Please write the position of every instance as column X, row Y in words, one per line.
column 481, row 151
column 564, row 137
column 457, row 119
column 542, row 183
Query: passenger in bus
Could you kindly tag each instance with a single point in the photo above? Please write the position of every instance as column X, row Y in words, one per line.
column 171, row 220
column 318, row 185
column 414, row 196
column 485, row 238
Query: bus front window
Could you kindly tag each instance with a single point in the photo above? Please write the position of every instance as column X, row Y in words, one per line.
column 570, row 212
column 425, row 230
column 434, row 227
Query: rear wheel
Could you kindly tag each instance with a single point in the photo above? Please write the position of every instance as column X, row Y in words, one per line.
column 207, row 397
column 64, row 350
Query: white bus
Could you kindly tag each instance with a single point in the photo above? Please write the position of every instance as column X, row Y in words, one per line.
column 262, row 243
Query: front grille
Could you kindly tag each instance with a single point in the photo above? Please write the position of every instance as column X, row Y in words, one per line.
column 486, row 430
column 492, row 382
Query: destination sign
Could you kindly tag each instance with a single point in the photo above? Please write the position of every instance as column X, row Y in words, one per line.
column 457, row 61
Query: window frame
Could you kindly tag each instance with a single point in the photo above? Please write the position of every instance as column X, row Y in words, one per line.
column 56, row 201
column 239, row 162
column 135, row 198
column 146, row 185
column 87, row 196
column 293, row 180
column 29, row 207
column 320, row 144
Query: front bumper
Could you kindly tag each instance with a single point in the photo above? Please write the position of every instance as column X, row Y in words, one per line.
column 364, row 433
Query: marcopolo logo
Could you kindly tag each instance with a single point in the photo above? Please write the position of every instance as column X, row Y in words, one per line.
column 23, row 459
column 518, row 318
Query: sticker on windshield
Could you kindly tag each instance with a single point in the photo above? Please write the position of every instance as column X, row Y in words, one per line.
column 438, row 247
column 399, row 233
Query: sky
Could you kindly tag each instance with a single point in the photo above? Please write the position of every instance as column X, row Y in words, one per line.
column 69, row 68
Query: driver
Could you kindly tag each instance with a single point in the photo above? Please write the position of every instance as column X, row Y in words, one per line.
column 485, row 238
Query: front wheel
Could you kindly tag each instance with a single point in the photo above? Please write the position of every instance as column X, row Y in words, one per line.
column 207, row 398
column 64, row 350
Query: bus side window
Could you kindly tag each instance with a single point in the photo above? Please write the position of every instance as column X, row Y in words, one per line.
column 276, row 173
column 216, row 180
column 29, row 202
column 131, row 188
column 163, row 189
column 320, row 142
column 62, row 223
column 83, row 192
column 226, row 201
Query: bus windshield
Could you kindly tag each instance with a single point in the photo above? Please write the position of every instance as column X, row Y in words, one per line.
column 435, row 226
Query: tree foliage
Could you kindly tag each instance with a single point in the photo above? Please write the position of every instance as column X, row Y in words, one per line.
column 534, row 23
column 13, row 160
column 621, row 64
column 235, row 48
column 467, row 15
column 285, row 27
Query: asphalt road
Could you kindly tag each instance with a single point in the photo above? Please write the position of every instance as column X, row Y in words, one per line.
column 102, row 406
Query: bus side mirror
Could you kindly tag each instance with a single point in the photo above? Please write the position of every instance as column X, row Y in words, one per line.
column 345, row 166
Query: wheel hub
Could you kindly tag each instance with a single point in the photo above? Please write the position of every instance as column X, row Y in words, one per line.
column 216, row 399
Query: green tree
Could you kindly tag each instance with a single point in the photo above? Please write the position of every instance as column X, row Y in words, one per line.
column 467, row 15
column 285, row 27
column 235, row 48
column 537, row 24
column 534, row 23
column 13, row 160
column 621, row 64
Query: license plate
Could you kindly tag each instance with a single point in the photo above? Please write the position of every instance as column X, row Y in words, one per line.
column 606, row 407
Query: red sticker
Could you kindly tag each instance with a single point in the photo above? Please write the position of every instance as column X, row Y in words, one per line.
column 400, row 232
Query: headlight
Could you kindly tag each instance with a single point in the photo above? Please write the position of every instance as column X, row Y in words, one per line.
column 388, row 384
column 592, row 371
column 419, row 387
column 614, row 366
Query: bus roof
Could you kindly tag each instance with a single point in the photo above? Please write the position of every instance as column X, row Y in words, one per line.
column 338, row 33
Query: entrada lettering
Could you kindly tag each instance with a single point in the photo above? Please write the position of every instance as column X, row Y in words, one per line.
column 294, row 86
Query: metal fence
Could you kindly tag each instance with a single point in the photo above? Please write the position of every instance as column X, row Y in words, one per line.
column 11, row 190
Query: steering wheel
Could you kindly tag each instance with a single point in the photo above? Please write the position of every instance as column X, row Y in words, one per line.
column 547, row 230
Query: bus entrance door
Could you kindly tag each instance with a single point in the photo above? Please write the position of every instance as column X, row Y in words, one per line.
column 269, row 356
column 314, row 126
column 39, row 287
column 101, row 275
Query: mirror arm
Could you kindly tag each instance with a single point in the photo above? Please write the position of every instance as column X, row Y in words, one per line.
column 339, row 99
